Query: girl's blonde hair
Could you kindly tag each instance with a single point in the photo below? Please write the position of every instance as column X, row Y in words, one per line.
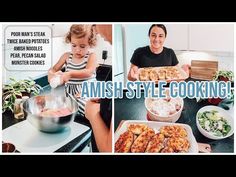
column 81, row 31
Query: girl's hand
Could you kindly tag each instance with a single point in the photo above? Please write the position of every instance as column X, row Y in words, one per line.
column 65, row 76
column 51, row 74
column 59, row 73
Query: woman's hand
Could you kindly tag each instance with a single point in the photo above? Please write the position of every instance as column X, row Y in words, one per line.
column 133, row 73
column 92, row 109
column 186, row 68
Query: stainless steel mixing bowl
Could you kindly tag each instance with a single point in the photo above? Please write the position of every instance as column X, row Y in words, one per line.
column 35, row 105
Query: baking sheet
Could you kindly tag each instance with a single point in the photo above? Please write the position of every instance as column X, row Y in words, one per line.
column 156, row 126
column 183, row 74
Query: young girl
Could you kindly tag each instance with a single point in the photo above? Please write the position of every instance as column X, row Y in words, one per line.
column 80, row 64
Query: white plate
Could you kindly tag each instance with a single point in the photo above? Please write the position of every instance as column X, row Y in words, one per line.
column 156, row 126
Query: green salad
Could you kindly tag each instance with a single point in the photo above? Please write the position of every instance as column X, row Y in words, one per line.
column 214, row 123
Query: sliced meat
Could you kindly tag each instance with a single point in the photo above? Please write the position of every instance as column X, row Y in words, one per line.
column 140, row 144
column 156, row 144
column 124, row 142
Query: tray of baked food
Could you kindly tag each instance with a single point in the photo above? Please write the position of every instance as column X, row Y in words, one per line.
column 154, row 137
column 166, row 73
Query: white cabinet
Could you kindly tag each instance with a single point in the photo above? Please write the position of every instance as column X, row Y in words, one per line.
column 177, row 36
column 201, row 37
column 211, row 37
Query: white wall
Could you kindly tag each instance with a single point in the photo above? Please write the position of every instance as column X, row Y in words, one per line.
column 118, row 63
column 135, row 36
column 225, row 59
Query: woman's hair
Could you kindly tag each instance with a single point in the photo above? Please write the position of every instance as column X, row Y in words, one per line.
column 159, row 26
column 80, row 31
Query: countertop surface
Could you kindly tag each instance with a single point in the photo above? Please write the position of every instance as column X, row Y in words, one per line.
column 78, row 144
column 134, row 109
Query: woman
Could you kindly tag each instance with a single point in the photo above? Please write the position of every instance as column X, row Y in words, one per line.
column 99, row 111
column 154, row 55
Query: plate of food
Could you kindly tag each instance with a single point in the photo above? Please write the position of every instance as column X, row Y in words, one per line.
column 164, row 109
column 214, row 122
column 154, row 137
column 166, row 73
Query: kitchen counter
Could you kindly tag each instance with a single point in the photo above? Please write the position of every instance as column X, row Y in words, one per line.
column 134, row 109
column 76, row 145
column 103, row 73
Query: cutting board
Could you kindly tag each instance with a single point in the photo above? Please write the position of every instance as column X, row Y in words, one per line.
column 203, row 70
column 28, row 139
